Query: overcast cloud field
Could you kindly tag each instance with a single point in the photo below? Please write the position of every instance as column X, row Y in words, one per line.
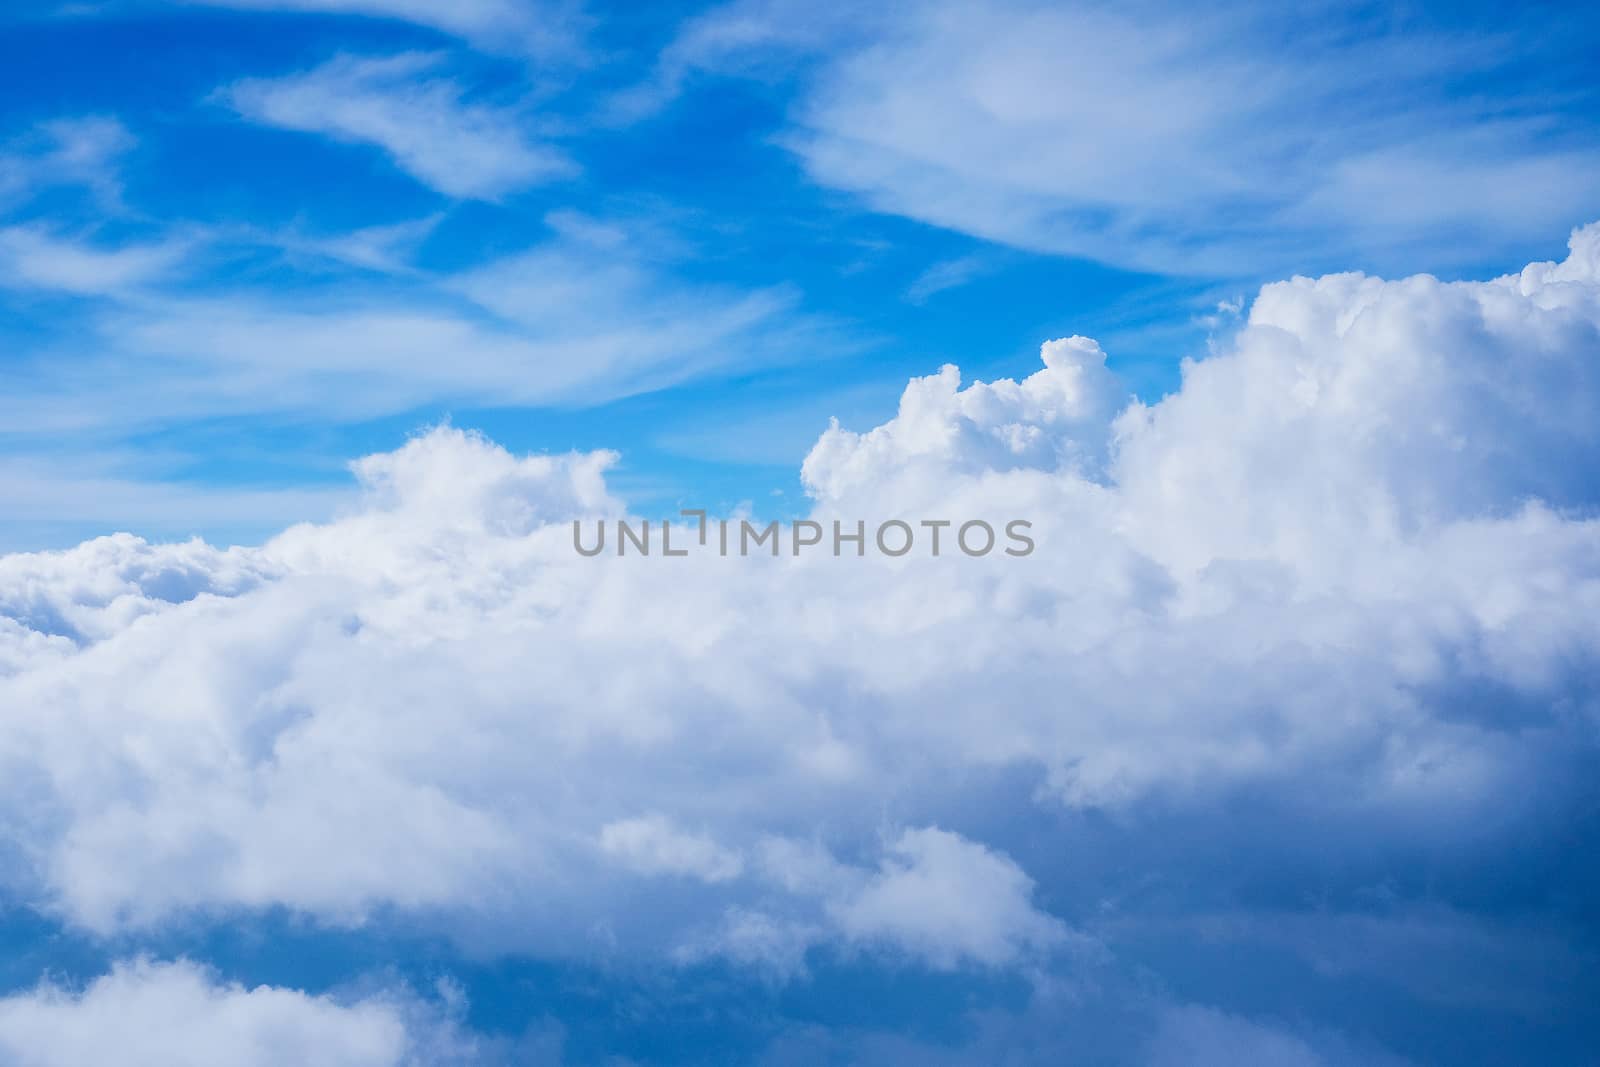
column 1099, row 513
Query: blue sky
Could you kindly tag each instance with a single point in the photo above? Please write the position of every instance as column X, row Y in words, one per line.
column 321, row 320
column 732, row 195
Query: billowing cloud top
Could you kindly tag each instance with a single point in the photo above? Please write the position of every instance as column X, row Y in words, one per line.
column 1350, row 570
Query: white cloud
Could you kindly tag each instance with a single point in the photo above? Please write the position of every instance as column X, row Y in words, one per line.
column 933, row 897
column 651, row 845
column 1155, row 137
column 947, row 900
column 81, row 151
column 32, row 257
column 1055, row 418
column 147, row 1014
column 1351, row 569
column 544, row 30
column 91, row 493
column 104, row 586
column 567, row 321
column 1190, row 1035
column 387, row 249
column 946, row 274
column 420, row 119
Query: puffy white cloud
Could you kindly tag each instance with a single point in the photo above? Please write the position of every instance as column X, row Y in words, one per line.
column 948, row 900
column 466, row 150
column 1350, row 570
column 1054, row 419
column 97, row 589
column 1389, row 407
column 933, row 896
column 147, row 1014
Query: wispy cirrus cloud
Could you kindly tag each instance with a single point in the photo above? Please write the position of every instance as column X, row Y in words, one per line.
column 546, row 29
column 1157, row 138
column 420, row 119
column 35, row 257
column 575, row 319
column 945, row 274
column 388, row 248
column 82, row 151
column 106, row 490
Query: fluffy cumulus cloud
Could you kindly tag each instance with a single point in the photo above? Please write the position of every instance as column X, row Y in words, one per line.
column 1055, row 419
column 948, row 900
column 147, row 1014
column 1348, row 576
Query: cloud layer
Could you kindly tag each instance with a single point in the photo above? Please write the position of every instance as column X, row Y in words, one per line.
column 1348, row 577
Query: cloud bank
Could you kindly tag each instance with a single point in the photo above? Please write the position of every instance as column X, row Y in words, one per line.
column 1346, row 578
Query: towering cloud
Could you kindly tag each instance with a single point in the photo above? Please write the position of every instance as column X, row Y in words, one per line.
column 1350, row 572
